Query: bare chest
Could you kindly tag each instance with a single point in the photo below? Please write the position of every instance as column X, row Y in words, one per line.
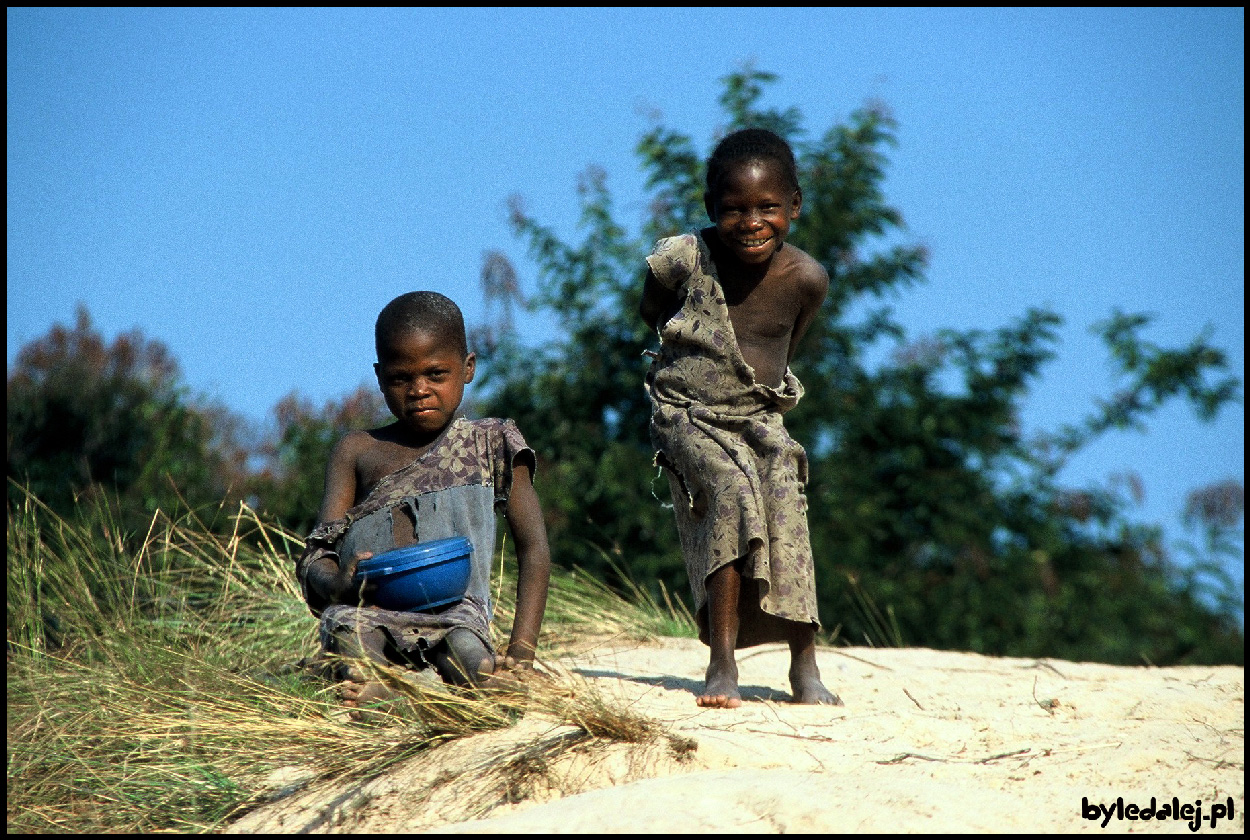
column 764, row 313
column 760, row 325
column 763, row 323
column 380, row 461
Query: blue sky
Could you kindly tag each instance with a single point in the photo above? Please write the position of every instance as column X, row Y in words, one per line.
column 251, row 186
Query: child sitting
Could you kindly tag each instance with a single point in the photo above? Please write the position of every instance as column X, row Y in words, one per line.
column 430, row 475
column 730, row 304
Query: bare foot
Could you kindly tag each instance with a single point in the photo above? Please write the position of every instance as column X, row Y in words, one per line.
column 720, row 688
column 808, row 688
column 358, row 695
column 505, row 682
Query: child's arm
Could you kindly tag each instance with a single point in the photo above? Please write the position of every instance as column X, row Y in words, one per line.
column 333, row 580
column 812, row 285
column 658, row 303
column 525, row 521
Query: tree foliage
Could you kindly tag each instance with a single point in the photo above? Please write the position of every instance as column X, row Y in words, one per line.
column 113, row 423
column 113, row 420
column 933, row 520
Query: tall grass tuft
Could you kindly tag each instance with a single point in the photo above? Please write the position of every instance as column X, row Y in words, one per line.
column 583, row 610
column 880, row 630
column 151, row 684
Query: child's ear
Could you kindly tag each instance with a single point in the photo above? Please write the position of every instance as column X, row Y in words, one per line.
column 709, row 204
column 470, row 367
column 377, row 372
column 796, row 205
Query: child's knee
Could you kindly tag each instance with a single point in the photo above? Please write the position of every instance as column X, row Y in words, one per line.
column 699, row 503
column 357, row 644
column 468, row 657
column 468, row 649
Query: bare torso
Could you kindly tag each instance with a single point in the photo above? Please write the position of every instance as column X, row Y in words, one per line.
column 770, row 309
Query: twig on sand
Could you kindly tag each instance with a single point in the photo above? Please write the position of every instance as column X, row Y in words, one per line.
column 797, row 735
column 1046, row 753
column 899, row 759
column 1042, row 663
column 1217, row 763
column 777, row 648
column 913, row 699
column 840, row 652
column 1049, row 704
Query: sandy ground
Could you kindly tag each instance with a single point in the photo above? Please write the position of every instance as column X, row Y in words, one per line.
column 928, row 741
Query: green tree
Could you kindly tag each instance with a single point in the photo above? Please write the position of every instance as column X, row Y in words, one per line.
column 114, row 420
column 933, row 520
column 580, row 402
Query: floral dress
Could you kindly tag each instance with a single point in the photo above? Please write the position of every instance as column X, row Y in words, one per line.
column 736, row 475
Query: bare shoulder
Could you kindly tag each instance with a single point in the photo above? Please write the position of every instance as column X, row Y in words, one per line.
column 343, row 474
column 363, row 452
column 353, row 444
column 806, row 273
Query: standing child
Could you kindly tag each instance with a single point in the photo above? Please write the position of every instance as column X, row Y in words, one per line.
column 730, row 304
column 430, row 475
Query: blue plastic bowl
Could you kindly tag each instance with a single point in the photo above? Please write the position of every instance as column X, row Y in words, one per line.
column 419, row 577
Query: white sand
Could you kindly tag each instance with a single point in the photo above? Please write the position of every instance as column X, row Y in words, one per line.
column 928, row 741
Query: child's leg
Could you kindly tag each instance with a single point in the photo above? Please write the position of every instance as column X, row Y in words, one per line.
column 367, row 644
column 462, row 659
column 356, row 689
column 804, row 674
column 720, row 689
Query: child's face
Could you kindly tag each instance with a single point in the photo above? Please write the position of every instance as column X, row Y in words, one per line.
column 422, row 377
column 753, row 210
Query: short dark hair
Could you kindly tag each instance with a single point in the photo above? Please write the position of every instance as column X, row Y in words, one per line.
column 427, row 312
column 750, row 144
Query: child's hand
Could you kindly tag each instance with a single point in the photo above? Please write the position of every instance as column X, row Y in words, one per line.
column 520, row 675
column 510, row 670
column 510, row 664
column 343, row 587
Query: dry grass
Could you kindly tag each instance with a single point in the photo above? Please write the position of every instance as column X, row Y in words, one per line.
column 150, row 684
column 583, row 611
column 573, row 738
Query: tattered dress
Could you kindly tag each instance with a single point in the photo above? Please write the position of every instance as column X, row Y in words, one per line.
column 454, row 489
column 720, row 436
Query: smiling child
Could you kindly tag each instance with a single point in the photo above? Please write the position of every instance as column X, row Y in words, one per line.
column 730, row 304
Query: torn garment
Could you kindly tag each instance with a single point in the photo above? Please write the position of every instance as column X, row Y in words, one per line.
column 454, row 489
column 736, row 475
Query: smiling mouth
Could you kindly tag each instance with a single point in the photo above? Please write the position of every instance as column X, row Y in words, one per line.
column 754, row 243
